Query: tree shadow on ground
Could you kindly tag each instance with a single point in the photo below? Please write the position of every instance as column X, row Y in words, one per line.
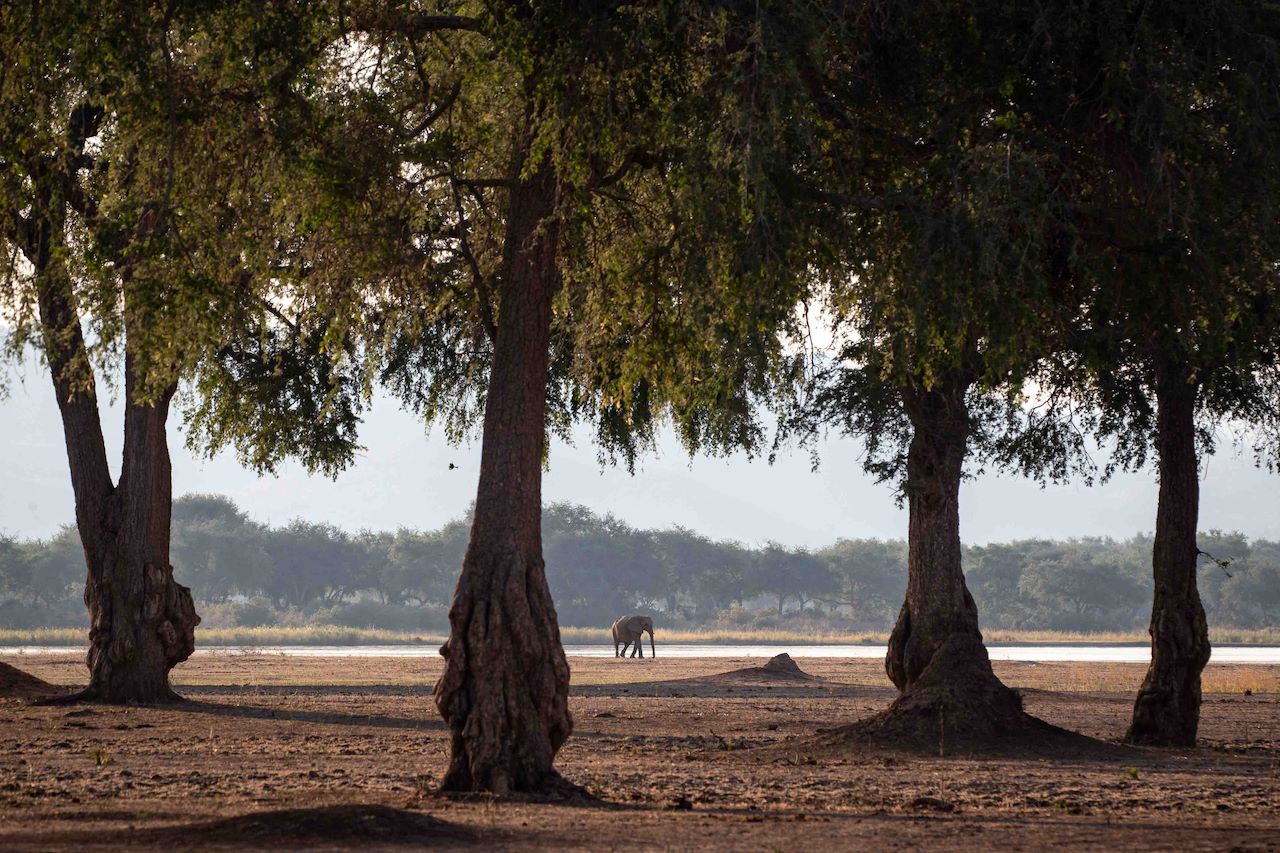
column 257, row 712
column 405, row 690
column 348, row 824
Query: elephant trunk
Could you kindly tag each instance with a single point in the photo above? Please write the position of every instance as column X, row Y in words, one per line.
column 652, row 651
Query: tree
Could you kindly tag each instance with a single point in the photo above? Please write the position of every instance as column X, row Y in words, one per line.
column 53, row 567
column 312, row 563
column 687, row 558
column 598, row 567
column 217, row 549
column 994, row 572
column 1174, row 138
column 421, row 566
column 1072, row 589
column 127, row 201
column 568, row 278
column 946, row 275
column 1251, row 597
column 792, row 573
column 15, row 573
column 869, row 576
column 497, row 186
column 143, row 622
column 1221, row 555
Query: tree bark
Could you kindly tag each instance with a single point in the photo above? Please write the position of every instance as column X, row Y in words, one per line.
column 938, row 603
column 142, row 623
column 504, row 690
column 950, row 699
column 1167, row 709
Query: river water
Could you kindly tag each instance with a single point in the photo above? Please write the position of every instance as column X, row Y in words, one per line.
column 1030, row 653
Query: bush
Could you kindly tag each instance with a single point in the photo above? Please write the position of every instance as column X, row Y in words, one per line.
column 390, row 617
column 19, row 615
column 255, row 613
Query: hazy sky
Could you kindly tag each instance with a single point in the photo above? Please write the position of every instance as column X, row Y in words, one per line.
column 403, row 479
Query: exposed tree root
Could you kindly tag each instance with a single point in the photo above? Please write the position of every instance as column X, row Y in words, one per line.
column 92, row 696
column 958, row 706
column 555, row 789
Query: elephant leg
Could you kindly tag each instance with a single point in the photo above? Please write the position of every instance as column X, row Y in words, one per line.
column 640, row 645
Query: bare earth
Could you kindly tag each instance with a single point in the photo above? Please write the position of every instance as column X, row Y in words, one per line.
column 276, row 753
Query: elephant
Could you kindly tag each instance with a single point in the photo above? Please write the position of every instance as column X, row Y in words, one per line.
column 629, row 631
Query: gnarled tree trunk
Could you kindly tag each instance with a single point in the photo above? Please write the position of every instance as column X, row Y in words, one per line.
column 950, row 697
column 504, row 690
column 142, row 623
column 938, row 603
column 1167, row 710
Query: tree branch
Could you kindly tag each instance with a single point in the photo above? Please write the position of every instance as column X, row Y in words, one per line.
column 478, row 279
column 484, row 183
column 378, row 18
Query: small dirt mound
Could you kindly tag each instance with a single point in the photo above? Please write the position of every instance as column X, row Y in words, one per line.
column 347, row 823
column 16, row 684
column 958, row 706
column 780, row 667
column 783, row 664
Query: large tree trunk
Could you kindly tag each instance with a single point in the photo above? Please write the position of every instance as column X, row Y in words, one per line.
column 950, row 697
column 1167, row 710
column 504, row 690
column 938, row 604
column 142, row 623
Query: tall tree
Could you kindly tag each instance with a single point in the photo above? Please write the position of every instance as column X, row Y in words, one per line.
column 945, row 274
column 545, row 169
column 486, row 114
column 1172, row 127
column 122, row 150
column 142, row 621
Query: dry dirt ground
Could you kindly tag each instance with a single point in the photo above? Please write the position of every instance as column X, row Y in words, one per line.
column 275, row 753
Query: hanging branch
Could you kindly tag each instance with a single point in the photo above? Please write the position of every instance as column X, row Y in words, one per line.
column 1222, row 564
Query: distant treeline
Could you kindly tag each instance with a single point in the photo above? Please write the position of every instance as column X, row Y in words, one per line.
column 246, row 573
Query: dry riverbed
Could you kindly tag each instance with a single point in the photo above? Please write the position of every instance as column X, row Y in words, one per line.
column 279, row 753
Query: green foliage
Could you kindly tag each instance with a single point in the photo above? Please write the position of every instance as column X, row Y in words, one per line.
column 870, row 579
column 142, row 166
column 218, row 547
column 432, row 619
column 941, row 248
column 393, row 222
column 1174, row 134
column 1042, row 210
column 787, row 573
column 255, row 613
column 247, row 574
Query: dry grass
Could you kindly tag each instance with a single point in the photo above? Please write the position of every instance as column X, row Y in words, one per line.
column 1219, row 636
column 734, row 637
column 312, row 635
column 1261, row 637
column 332, row 635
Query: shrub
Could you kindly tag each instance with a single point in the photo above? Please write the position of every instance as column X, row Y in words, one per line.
column 391, row 617
column 19, row 615
column 255, row 613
